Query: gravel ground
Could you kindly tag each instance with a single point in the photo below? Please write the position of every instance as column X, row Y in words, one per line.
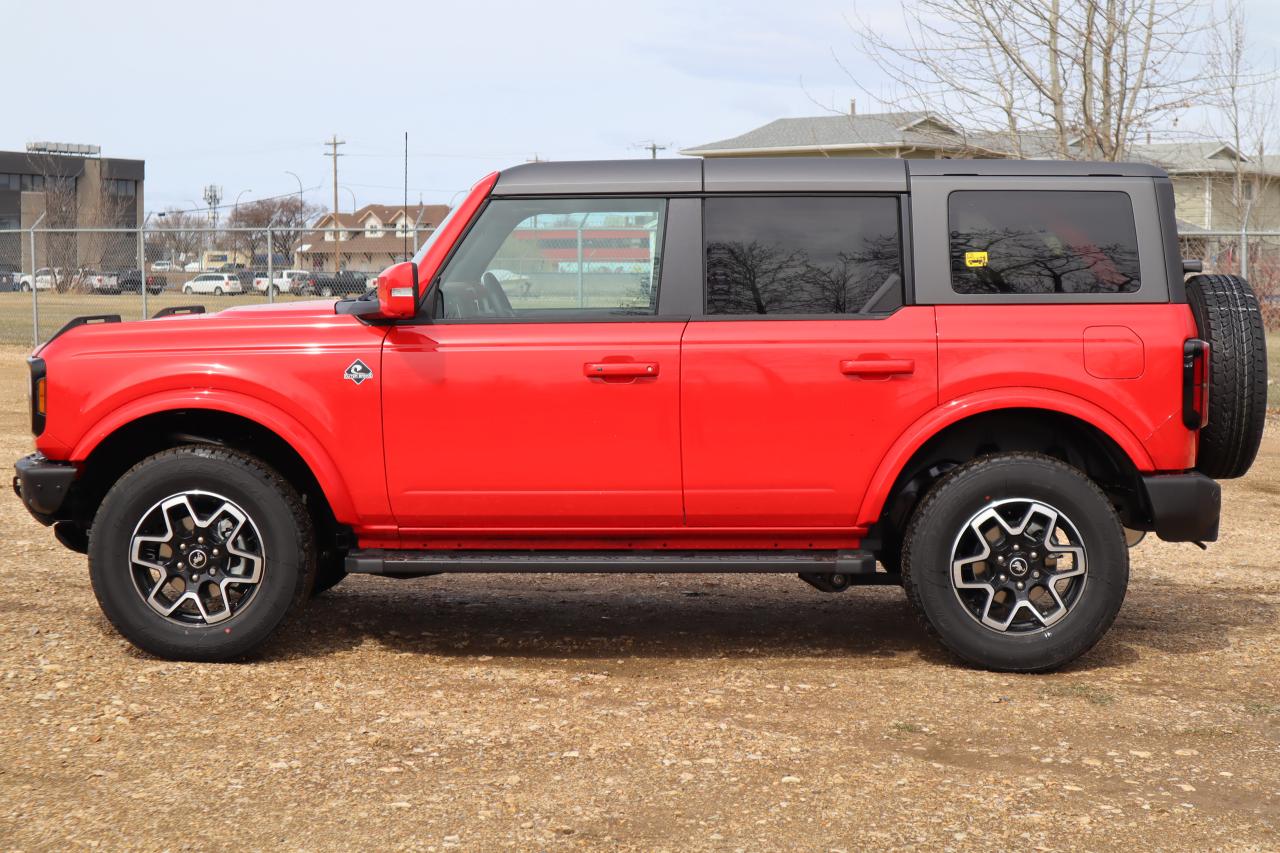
column 646, row 713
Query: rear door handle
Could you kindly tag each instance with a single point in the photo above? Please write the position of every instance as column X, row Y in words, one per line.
column 620, row 369
column 878, row 367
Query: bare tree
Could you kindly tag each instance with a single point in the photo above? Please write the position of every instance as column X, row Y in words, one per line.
column 178, row 237
column 1244, row 110
column 60, row 204
column 1075, row 80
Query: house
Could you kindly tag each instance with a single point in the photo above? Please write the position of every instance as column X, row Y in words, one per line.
column 370, row 239
column 1213, row 183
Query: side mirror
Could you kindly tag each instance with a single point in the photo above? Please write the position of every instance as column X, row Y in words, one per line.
column 398, row 291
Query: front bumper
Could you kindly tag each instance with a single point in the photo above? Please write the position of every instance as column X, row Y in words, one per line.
column 1184, row 507
column 43, row 485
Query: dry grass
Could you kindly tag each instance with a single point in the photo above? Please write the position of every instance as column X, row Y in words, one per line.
column 606, row 712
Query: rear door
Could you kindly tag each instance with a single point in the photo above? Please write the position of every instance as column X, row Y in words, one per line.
column 542, row 391
column 805, row 366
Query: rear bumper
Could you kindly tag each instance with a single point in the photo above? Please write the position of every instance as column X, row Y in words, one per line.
column 1184, row 507
column 43, row 485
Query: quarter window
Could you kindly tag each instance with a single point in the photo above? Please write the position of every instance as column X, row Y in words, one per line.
column 556, row 259
column 802, row 255
column 1024, row 242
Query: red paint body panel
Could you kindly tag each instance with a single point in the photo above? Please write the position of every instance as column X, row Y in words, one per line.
column 983, row 348
column 777, row 432
column 280, row 366
column 499, row 426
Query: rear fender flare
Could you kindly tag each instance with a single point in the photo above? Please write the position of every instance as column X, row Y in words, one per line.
column 265, row 415
column 990, row 400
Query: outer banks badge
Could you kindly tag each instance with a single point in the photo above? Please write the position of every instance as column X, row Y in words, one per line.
column 358, row 372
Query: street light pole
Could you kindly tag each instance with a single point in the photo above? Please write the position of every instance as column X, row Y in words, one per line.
column 235, row 214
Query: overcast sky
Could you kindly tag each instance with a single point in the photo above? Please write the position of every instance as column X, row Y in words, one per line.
column 235, row 93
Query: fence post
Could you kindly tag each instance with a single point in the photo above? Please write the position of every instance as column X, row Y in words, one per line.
column 271, row 257
column 35, row 301
column 142, row 268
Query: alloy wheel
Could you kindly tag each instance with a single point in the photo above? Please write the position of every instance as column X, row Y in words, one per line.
column 1018, row 566
column 197, row 558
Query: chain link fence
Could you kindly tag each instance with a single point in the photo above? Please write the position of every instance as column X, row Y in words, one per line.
column 1254, row 255
column 50, row 276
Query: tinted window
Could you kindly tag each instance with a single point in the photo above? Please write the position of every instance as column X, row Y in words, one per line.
column 1022, row 241
column 556, row 259
column 778, row 255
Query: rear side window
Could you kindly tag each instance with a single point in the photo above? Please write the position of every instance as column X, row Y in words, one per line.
column 1034, row 242
column 777, row 255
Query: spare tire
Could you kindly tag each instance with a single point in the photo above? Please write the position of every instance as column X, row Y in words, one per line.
column 1227, row 315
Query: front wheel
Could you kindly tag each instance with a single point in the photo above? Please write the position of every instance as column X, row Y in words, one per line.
column 186, row 288
column 199, row 553
column 1017, row 562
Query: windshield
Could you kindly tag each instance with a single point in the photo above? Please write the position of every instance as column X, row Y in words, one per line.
column 422, row 250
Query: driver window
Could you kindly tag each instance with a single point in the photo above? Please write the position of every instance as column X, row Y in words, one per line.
column 556, row 260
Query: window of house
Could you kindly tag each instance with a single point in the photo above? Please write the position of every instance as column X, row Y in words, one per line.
column 802, row 255
column 1035, row 242
column 556, row 259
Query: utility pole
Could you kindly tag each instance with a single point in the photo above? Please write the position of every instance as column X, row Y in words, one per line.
column 652, row 147
column 337, row 235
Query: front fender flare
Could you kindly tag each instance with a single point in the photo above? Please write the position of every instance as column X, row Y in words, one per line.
column 289, row 429
column 990, row 400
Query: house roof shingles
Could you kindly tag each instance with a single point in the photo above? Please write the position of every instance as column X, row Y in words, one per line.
column 926, row 130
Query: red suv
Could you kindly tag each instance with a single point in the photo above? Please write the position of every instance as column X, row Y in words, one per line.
column 981, row 380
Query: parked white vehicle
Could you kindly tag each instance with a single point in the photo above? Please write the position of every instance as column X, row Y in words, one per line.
column 283, row 281
column 193, row 266
column 161, row 266
column 216, row 283
column 45, row 278
column 97, row 282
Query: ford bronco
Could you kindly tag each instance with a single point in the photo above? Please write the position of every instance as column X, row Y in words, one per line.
column 979, row 380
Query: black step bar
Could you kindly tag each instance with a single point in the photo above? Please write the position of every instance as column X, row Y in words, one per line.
column 860, row 566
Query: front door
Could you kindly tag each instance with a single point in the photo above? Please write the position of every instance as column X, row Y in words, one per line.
column 543, row 393
column 805, row 367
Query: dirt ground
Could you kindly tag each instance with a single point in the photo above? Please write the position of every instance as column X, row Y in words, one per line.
column 644, row 713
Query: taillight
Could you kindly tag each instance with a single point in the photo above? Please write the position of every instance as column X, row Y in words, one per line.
column 39, row 394
column 1195, row 383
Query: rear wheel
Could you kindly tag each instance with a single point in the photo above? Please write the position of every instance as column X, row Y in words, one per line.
column 199, row 553
column 217, row 291
column 1228, row 317
column 1016, row 562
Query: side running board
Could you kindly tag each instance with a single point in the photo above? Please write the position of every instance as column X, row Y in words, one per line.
column 859, row 566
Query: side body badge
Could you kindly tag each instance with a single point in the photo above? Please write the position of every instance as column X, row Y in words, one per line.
column 358, row 372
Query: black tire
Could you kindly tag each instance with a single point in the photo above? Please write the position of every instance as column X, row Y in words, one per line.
column 278, row 518
column 1228, row 317
column 936, row 532
column 217, row 291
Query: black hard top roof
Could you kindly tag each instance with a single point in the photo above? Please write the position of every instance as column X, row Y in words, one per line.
column 774, row 174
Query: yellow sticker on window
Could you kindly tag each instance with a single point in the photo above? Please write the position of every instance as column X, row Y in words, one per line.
column 975, row 259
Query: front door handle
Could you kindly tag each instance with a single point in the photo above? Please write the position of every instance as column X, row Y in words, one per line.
column 878, row 367
column 620, row 369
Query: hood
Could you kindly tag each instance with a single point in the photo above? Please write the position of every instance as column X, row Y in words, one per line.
column 257, row 325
